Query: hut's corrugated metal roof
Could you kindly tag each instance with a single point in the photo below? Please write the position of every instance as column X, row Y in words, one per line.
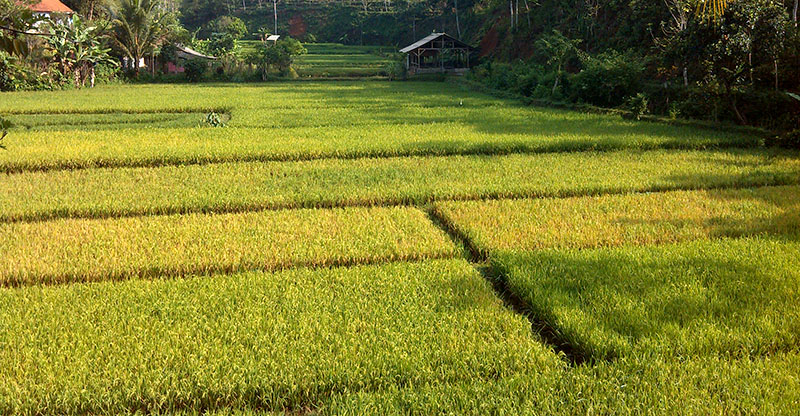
column 433, row 36
column 193, row 53
column 421, row 42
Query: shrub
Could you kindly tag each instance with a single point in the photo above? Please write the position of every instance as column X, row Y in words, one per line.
column 277, row 57
column 12, row 75
column 637, row 105
column 606, row 79
column 194, row 69
column 396, row 70
column 213, row 119
column 4, row 126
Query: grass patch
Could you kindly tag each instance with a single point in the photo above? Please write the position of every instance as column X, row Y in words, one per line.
column 726, row 298
column 324, row 183
column 614, row 220
column 73, row 250
column 285, row 342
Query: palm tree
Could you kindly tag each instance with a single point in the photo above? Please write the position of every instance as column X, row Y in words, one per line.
column 713, row 9
column 140, row 26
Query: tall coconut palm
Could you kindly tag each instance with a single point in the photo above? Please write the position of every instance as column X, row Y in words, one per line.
column 140, row 26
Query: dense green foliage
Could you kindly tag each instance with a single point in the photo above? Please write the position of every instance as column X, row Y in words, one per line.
column 735, row 67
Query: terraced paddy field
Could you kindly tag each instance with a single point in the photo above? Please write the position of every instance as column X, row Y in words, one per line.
column 388, row 248
column 334, row 60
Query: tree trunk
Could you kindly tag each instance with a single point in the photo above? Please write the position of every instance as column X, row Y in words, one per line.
column 794, row 13
column 77, row 77
column 558, row 75
column 91, row 10
column 732, row 100
column 775, row 61
column 458, row 26
column 511, row 7
column 528, row 13
column 750, row 64
column 685, row 76
column 91, row 76
column 275, row 13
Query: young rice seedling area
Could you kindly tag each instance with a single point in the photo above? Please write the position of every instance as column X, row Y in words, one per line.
column 369, row 247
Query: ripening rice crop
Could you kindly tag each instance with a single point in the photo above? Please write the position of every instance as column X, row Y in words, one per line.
column 285, row 342
column 728, row 297
column 157, row 124
column 265, row 97
column 143, row 140
column 320, row 183
column 690, row 386
column 67, row 124
column 72, row 250
column 634, row 219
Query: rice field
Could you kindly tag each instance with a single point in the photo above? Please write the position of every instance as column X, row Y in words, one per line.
column 727, row 297
column 624, row 220
column 367, row 247
column 334, row 60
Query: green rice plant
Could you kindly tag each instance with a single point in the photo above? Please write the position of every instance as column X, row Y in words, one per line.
column 88, row 250
column 727, row 298
column 277, row 342
column 325, row 183
column 614, row 220
column 692, row 386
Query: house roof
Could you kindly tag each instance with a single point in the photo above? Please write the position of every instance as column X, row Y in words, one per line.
column 433, row 36
column 190, row 53
column 50, row 6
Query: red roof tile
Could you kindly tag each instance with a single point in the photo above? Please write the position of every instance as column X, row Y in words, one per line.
column 50, row 6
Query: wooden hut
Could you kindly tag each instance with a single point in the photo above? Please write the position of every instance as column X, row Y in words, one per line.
column 437, row 53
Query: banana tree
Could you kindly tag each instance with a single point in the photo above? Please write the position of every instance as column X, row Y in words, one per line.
column 77, row 48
